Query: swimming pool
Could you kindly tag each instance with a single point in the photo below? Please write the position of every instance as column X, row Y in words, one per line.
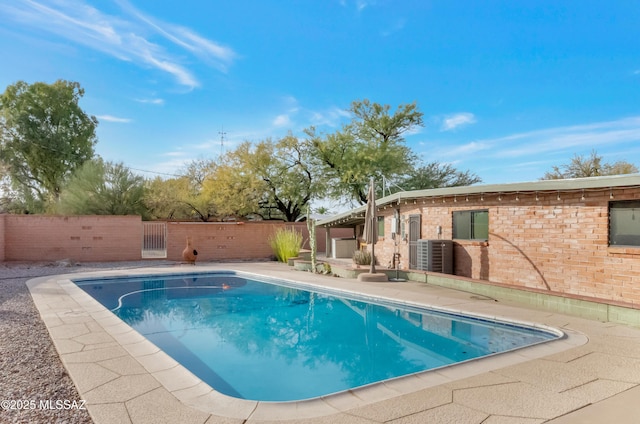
column 264, row 339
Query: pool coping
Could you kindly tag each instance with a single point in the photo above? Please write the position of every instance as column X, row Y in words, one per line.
column 113, row 365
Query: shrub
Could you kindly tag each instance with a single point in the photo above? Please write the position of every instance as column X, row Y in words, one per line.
column 362, row 257
column 286, row 243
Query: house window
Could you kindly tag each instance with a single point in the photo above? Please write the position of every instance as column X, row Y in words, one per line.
column 471, row 225
column 624, row 223
column 381, row 226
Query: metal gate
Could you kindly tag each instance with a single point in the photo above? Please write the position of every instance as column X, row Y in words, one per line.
column 154, row 240
column 414, row 236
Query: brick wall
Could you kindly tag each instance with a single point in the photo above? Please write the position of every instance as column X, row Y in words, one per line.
column 549, row 244
column 2, row 226
column 119, row 238
column 220, row 241
column 224, row 241
column 80, row 238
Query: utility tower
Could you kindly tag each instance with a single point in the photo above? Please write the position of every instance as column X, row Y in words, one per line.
column 222, row 134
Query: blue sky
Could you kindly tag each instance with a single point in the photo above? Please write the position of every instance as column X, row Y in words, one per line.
column 507, row 88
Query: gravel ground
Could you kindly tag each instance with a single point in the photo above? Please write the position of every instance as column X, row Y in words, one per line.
column 30, row 368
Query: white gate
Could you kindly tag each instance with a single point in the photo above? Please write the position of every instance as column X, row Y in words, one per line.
column 154, row 240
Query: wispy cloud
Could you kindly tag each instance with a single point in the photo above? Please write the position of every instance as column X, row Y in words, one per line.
column 576, row 139
column 111, row 118
column 452, row 122
column 331, row 117
column 395, row 27
column 155, row 101
column 282, row 120
column 133, row 37
column 360, row 5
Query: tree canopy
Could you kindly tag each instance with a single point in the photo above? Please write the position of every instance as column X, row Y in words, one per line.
column 103, row 188
column 437, row 175
column 371, row 145
column 44, row 137
column 47, row 143
column 582, row 166
column 269, row 178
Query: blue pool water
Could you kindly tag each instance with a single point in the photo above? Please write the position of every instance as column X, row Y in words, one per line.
column 275, row 341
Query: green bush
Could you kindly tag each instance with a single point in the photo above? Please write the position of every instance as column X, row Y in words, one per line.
column 286, row 243
column 362, row 257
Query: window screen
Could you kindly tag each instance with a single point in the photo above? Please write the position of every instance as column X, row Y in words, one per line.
column 471, row 225
column 624, row 223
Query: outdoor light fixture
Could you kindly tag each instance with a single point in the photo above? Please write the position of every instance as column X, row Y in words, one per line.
column 517, row 196
column 558, row 198
column 537, row 198
column 582, row 198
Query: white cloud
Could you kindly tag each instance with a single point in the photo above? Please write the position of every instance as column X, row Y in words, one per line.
column 331, row 117
column 175, row 154
column 111, row 118
column 451, row 122
column 155, row 101
column 128, row 38
column 362, row 4
column 536, row 150
column 571, row 138
column 282, row 120
column 396, row 27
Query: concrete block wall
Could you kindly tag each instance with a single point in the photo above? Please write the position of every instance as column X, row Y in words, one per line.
column 80, row 238
column 221, row 241
column 218, row 241
column 558, row 243
column 119, row 238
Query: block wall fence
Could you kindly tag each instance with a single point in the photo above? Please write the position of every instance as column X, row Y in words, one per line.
column 556, row 244
column 119, row 238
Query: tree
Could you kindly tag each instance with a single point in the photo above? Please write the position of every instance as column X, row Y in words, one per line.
column 169, row 198
column 268, row 176
column 44, row 136
column 371, row 145
column 233, row 185
column 592, row 166
column 436, row 175
column 103, row 188
column 201, row 206
column 289, row 174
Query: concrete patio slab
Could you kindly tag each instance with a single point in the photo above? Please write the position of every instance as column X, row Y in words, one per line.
column 125, row 378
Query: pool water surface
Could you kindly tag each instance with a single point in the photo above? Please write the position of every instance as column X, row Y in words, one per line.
column 263, row 339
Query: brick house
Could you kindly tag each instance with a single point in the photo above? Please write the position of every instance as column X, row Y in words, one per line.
column 576, row 238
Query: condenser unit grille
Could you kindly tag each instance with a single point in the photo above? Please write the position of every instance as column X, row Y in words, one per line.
column 435, row 256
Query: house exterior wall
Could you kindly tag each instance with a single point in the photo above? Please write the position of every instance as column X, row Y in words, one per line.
column 552, row 244
column 80, row 238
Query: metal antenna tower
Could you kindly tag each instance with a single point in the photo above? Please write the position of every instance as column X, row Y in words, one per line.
column 222, row 134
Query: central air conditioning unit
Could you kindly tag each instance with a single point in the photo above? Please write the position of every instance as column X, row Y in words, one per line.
column 435, row 256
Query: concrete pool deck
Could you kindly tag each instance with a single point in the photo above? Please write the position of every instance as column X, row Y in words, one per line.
column 590, row 376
